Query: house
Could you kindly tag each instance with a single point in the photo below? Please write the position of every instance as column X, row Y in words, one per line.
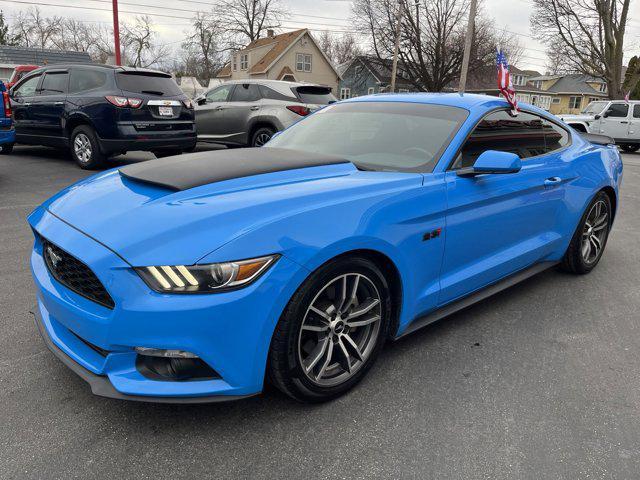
column 484, row 81
column 11, row 57
column 293, row 56
column 571, row 93
column 366, row 75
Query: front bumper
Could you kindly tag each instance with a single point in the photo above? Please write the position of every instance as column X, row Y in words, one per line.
column 229, row 331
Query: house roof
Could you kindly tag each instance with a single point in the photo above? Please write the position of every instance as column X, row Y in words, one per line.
column 576, row 83
column 40, row 56
column 381, row 69
column 485, row 79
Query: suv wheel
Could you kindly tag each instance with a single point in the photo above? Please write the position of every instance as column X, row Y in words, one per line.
column 7, row 148
column 332, row 331
column 630, row 148
column 85, row 148
column 262, row 136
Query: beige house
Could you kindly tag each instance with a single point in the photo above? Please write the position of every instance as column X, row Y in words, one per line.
column 293, row 56
column 571, row 93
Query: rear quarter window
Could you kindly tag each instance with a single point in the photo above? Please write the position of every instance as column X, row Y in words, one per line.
column 147, row 83
column 85, row 80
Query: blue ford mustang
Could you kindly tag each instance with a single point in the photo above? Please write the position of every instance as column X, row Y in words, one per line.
column 196, row 278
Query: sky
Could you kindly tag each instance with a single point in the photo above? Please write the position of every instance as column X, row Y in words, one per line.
column 171, row 18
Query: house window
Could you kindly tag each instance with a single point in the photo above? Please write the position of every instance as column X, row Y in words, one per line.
column 244, row 61
column 303, row 62
column 593, row 99
column 345, row 93
column 555, row 100
column 371, row 90
column 575, row 102
column 403, row 90
column 603, row 87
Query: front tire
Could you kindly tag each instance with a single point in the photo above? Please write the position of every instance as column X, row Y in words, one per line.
column 7, row 148
column 85, row 148
column 630, row 148
column 590, row 238
column 332, row 331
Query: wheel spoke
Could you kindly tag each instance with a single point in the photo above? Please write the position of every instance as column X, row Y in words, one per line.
column 347, row 357
column 323, row 315
column 595, row 241
column 317, row 354
column 586, row 249
column 600, row 222
column 364, row 308
column 353, row 345
column 362, row 323
column 343, row 294
column 328, row 360
column 314, row 328
column 354, row 295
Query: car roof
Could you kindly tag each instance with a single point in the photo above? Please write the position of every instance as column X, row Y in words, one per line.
column 61, row 66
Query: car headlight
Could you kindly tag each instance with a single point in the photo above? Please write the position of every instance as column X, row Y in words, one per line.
column 205, row 278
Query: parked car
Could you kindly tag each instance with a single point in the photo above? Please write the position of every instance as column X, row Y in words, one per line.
column 618, row 119
column 249, row 112
column 197, row 280
column 101, row 110
column 19, row 72
column 7, row 132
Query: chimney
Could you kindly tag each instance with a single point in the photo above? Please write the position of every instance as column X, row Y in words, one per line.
column 270, row 33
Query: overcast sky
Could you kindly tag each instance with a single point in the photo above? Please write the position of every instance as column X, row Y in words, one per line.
column 172, row 18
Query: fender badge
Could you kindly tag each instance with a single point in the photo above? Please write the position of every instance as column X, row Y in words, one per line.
column 433, row 234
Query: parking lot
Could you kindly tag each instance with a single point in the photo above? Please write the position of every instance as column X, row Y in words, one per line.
column 540, row 381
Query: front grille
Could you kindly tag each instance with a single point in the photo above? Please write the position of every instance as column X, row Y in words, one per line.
column 75, row 275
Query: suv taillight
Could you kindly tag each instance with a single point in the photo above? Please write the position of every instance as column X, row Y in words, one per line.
column 7, row 104
column 299, row 109
column 124, row 102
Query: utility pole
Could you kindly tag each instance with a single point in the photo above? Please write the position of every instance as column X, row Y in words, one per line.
column 396, row 47
column 467, row 45
column 116, row 32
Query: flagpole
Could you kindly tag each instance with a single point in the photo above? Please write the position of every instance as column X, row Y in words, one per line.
column 467, row 45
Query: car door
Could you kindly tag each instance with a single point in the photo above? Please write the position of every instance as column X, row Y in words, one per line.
column 615, row 120
column 243, row 103
column 209, row 113
column 498, row 224
column 634, row 124
column 22, row 97
column 49, row 106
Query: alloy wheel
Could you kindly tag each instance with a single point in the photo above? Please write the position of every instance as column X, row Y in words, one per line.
column 262, row 139
column 340, row 329
column 82, row 148
column 594, row 233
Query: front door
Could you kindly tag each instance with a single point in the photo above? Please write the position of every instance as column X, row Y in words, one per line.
column 498, row 224
column 210, row 112
column 615, row 120
column 49, row 107
column 22, row 98
column 243, row 103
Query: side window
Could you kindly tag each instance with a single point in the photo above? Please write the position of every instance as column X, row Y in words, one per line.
column 28, row 88
column 219, row 94
column 523, row 135
column 555, row 136
column 245, row 92
column 271, row 94
column 85, row 80
column 618, row 110
column 636, row 110
column 54, row 83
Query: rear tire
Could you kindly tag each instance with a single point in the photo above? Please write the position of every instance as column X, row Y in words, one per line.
column 326, row 341
column 7, row 148
column 590, row 238
column 630, row 148
column 85, row 148
column 262, row 136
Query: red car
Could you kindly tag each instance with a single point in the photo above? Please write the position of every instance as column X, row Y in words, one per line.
column 19, row 72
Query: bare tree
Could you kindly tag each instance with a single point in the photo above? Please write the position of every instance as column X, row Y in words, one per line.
column 202, row 50
column 587, row 34
column 138, row 41
column 432, row 38
column 339, row 49
column 77, row 36
column 35, row 30
column 248, row 20
column 632, row 78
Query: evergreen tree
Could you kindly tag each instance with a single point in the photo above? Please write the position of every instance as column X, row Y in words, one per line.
column 632, row 78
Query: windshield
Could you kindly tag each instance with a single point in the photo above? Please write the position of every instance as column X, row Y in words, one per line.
column 594, row 108
column 384, row 136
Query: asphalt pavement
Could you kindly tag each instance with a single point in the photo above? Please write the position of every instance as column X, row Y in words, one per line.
column 541, row 381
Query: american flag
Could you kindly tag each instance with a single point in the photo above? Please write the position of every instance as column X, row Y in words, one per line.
column 504, row 80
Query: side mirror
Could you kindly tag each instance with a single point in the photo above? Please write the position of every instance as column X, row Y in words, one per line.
column 605, row 114
column 201, row 101
column 597, row 117
column 492, row 161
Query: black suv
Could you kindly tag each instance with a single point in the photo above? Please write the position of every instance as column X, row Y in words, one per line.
column 101, row 110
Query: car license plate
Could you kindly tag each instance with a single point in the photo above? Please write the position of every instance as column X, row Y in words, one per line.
column 165, row 111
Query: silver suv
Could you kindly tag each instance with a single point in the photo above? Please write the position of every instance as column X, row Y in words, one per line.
column 249, row 112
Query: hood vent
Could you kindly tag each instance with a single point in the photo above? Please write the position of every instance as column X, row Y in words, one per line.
column 193, row 170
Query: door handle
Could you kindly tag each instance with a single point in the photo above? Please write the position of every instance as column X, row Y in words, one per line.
column 552, row 181
column 27, row 104
column 219, row 107
column 58, row 103
column 255, row 108
column 624, row 121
